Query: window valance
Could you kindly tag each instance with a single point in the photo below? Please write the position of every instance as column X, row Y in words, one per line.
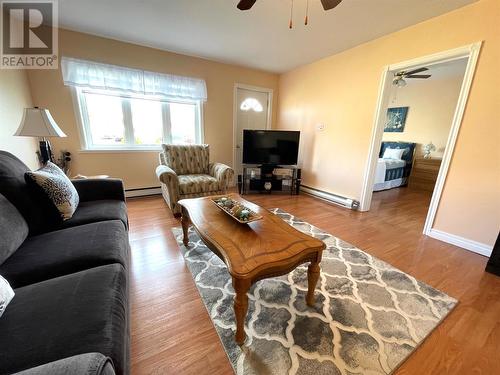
column 83, row 73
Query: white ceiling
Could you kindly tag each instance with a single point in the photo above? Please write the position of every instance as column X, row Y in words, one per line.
column 259, row 38
column 447, row 69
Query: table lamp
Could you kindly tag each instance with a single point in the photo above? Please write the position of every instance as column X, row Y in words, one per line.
column 428, row 148
column 38, row 122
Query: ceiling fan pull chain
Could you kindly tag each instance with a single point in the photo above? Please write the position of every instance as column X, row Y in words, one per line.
column 306, row 20
column 290, row 24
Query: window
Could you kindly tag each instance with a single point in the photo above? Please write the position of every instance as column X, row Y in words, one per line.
column 251, row 104
column 123, row 108
column 112, row 120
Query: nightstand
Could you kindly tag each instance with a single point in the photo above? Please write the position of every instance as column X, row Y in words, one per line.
column 424, row 174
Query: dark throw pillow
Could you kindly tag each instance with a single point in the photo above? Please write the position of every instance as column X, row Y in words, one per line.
column 58, row 188
column 13, row 229
column 38, row 211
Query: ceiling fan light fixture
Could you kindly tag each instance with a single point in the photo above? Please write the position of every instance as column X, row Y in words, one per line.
column 399, row 81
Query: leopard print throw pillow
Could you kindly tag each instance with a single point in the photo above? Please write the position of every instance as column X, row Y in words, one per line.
column 6, row 294
column 58, row 188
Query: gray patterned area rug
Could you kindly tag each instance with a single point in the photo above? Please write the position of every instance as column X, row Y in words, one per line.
column 368, row 318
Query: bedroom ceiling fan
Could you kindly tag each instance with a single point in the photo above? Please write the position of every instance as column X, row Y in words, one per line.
column 399, row 77
column 327, row 5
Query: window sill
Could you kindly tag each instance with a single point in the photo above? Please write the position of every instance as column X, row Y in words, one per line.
column 119, row 150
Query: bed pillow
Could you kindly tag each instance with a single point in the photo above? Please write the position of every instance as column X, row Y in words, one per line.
column 6, row 294
column 58, row 188
column 393, row 153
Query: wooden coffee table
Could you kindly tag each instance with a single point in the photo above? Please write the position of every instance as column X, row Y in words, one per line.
column 254, row 251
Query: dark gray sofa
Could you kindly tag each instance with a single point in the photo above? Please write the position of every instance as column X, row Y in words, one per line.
column 89, row 363
column 70, row 313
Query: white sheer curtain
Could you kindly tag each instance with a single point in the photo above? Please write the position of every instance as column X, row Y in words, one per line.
column 94, row 75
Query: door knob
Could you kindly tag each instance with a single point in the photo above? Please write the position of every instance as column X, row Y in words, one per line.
column 237, row 146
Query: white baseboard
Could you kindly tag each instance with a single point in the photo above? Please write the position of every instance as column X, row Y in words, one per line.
column 332, row 198
column 471, row 245
column 142, row 192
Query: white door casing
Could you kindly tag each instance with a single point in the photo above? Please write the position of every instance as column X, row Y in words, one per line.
column 471, row 52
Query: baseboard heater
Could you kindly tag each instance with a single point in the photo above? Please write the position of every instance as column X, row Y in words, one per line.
column 141, row 192
column 350, row 203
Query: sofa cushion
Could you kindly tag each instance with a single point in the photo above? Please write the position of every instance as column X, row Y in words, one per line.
column 187, row 159
column 66, row 251
column 83, row 364
column 75, row 314
column 100, row 210
column 13, row 229
column 36, row 208
column 197, row 183
column 57, row 187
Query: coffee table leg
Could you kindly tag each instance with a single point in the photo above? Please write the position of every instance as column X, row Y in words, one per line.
column 312, row 279
column 240, row 308
column 185, row 226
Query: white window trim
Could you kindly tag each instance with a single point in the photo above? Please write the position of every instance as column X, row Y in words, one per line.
column 85, row 135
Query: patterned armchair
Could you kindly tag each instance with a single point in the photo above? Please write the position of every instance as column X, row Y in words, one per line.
column 185, row 172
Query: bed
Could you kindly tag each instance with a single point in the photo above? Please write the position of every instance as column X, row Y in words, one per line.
column 392, row 173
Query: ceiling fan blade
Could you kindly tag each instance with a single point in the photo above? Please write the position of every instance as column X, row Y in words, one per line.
column 415, row 71
column 418, row 76
column 245, row 4
column 330, row 4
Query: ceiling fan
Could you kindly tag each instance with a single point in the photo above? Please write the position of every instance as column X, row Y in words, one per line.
column 399, row 77
column 327, row 5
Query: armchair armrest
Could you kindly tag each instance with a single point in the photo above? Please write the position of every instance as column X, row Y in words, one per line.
column 169, row 186
column 92, row 189
column 166, row 174
column 223, row 173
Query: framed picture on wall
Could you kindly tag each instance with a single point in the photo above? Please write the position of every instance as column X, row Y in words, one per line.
column 396, row 119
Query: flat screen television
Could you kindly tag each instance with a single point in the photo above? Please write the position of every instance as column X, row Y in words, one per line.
column 270, row 147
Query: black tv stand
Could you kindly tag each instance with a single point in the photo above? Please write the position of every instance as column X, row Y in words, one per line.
column 267, row 169
column 270, row 179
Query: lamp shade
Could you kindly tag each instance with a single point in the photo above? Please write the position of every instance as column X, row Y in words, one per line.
column 38, row 122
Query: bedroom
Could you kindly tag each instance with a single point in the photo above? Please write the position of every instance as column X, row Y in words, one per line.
column 422, row 104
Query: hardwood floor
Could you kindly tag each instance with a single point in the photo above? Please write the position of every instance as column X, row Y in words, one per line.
column 172, row 333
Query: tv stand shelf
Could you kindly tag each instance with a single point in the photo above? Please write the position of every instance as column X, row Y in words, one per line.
column 270, row 179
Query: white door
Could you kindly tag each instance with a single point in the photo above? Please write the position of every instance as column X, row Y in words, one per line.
column 252, row 112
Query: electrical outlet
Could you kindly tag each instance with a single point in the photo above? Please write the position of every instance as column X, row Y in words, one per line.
column 320, row 127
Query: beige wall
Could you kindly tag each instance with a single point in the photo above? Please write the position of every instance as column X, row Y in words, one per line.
column 14, row 97
column 432, row 104
column 341, row 92
column 137, row 168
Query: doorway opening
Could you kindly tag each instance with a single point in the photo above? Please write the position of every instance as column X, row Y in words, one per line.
column 391, row 115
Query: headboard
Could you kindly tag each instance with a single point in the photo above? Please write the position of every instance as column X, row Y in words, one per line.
column 407, row 155
column 408, row 146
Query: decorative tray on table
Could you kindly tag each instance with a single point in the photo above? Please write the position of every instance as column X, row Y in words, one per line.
column 236, row 210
